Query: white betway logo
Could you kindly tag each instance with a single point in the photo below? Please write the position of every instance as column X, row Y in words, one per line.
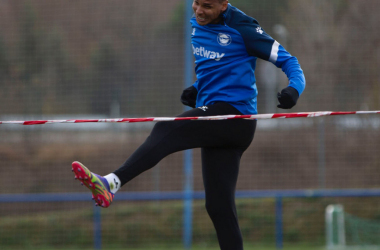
column 207, row 53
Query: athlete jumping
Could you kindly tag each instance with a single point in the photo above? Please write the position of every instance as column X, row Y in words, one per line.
column 226, row 44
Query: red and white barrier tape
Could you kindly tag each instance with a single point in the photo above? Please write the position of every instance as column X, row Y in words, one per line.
column 220, row 117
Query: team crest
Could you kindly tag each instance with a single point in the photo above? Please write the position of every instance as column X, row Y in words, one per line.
column 224, row 39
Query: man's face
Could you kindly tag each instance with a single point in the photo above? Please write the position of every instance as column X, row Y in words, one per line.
column 208, row 11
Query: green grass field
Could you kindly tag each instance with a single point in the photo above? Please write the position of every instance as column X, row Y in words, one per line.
column 155, row 226
column 248, row 247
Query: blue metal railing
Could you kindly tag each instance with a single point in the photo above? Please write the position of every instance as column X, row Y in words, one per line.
column 149, row 196
column 278, row 195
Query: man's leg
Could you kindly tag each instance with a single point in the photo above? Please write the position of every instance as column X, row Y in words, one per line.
column 220, row 168
column 169, row 137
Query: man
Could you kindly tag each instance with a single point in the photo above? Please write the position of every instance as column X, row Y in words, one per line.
column 226, row 44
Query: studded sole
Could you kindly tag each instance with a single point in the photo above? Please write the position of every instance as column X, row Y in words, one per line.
column 100, row 194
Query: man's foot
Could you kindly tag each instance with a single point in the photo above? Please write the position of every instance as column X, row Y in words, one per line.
column 98, row 185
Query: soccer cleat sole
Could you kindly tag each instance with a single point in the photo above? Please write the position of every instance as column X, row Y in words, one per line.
column 100, row 194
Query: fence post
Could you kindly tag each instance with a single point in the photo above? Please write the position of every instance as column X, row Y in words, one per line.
column 321, row 154
column 335, row 227
column 279, row 223
column 188, row 158
column 97, row 229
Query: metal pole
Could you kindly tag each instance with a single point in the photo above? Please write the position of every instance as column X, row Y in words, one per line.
column 188, row 201
column 321, row 154
column 188, row 158
column 279, row 224
column 329, row 226
column 97, row 229
column 335, row 227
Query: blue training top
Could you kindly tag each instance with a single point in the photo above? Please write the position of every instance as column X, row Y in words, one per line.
column 225, row 58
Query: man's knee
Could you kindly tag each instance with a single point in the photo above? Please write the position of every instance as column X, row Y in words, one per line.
column 161, row 126
column 160, row 130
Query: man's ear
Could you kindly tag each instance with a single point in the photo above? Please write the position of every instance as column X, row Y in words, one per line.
column 225, row 6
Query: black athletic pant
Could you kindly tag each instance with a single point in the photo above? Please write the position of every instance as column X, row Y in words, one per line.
column 222, row 142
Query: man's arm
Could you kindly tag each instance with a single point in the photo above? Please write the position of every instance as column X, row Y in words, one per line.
column 261, row 45
column 289, row 65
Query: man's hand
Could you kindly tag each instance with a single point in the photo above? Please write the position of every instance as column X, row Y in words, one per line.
column 189, row 96
column 287, row 98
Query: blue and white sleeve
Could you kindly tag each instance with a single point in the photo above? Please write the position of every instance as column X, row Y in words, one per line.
column 289, row 65
column 261, row 45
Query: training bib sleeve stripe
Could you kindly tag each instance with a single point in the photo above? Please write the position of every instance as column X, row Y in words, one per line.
column 274, row 53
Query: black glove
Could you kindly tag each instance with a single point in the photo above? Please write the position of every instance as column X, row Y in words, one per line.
column 189, row 96
column 287, row 98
